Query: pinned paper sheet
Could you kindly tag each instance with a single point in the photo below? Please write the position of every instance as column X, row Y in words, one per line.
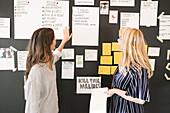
column 113, row 16
column 106, row 49
column 148, row 13
column 153, row 51
column 7, row 59
column 89, row 26
column 84, row 2
column 130, row 20
column 164, row 27
column 4, row 27
column 104, row 7
column 168, row 66
column 168, row 54
column 104, row 70
column 79, row 61
column 117, row 57
column 106, row 60
column 115, row 46
column 98, row 101
column 122, row 3
column 68, row 53
column 152, row 63
column 113, row 69
column 91, row 55
column 67, row 70
column 21, row 58
column 48, row 14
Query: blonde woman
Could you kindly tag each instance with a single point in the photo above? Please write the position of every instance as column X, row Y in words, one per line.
column 130, row 88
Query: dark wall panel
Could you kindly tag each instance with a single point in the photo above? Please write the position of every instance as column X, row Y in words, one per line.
column 11, row 83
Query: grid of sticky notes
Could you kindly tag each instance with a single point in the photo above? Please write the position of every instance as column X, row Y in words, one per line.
column 109, row 59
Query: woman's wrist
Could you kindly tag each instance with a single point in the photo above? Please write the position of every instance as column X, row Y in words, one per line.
column 112, row 91
column 115, row 91
column 63, row 41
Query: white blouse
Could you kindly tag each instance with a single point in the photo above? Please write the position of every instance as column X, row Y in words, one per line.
column 41, row 89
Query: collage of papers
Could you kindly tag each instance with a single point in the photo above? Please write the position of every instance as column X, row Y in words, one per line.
column 85, row 20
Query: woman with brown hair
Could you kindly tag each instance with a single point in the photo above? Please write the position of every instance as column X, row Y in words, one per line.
column 130, row 86
column 40, row 87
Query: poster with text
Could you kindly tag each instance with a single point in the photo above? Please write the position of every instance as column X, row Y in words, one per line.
column 86, row 84
column 49, row 13
column 85, row 26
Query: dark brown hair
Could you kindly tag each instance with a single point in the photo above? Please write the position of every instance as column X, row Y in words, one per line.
column 39, row 48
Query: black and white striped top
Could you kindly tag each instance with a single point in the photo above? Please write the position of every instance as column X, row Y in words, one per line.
column 136, row 87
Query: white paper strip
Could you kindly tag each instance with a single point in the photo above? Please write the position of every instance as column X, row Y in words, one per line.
column 98, row 101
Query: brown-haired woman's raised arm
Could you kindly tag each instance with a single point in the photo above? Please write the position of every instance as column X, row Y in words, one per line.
column 65, row 38
column 58, row 52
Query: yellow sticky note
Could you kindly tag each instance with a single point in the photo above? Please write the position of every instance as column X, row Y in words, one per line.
column 146, row 47
column 115, row 46
column 104, row 70
column 106, row 48
column 113, row 69
column 106, row 60
column 117, row 57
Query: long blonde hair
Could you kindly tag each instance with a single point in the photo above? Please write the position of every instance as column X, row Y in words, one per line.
column 133, row 50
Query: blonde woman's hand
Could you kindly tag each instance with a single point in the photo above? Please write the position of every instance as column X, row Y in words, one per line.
column 66, row 34
column 110, row 92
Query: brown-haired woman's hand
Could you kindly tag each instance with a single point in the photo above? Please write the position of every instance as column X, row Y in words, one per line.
column 66, row 34
column 110, row 92
column 65, row 38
